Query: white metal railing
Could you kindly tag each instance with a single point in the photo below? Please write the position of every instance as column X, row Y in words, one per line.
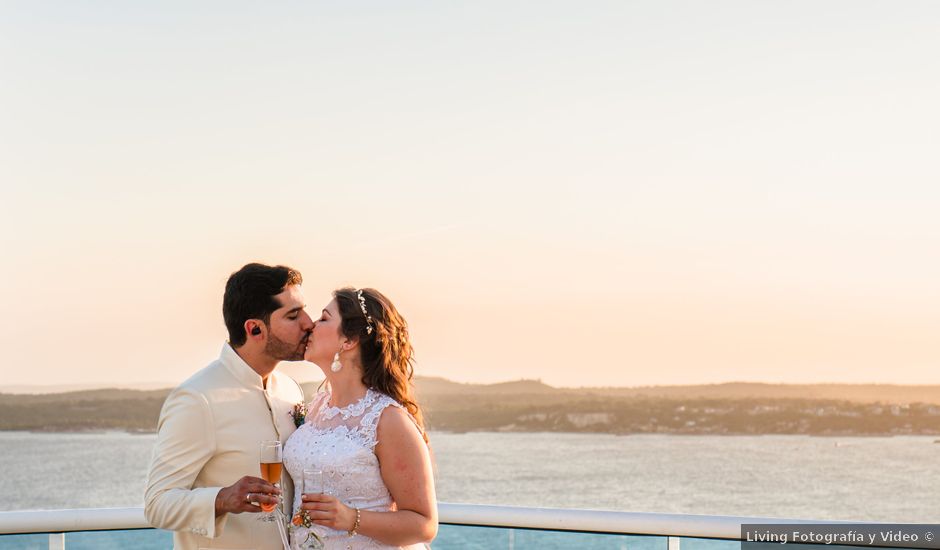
column 628, row 523
column 67, row 521
column 600, row 521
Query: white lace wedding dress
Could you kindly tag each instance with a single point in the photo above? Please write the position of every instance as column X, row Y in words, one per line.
column 341, row 443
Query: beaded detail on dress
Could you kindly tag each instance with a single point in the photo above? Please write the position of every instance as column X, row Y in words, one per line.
column 340, row 441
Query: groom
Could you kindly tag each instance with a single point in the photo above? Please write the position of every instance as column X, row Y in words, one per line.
column 205, row 468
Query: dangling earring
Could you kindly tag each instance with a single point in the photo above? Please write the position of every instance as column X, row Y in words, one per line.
column 336, row 365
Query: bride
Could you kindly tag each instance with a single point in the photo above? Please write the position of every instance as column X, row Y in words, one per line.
column 364, row 438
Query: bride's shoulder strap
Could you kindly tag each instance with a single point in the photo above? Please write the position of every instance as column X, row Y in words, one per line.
column 370, row 420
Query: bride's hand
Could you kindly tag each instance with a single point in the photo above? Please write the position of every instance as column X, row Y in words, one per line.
column 328, row 511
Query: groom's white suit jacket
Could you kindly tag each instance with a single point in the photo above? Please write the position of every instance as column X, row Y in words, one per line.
column 210, row 431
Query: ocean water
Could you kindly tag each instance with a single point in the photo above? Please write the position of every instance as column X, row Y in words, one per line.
column 892, row 479
column 885, row 479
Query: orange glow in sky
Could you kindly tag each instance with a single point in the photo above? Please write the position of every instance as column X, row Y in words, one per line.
column 615, row 194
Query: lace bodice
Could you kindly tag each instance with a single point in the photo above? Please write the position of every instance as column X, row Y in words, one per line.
column 340, row 442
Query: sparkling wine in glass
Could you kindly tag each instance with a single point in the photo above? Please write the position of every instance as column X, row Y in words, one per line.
column 271, row 469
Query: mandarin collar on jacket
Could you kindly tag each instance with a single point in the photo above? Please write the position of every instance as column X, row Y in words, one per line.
column 240, row 369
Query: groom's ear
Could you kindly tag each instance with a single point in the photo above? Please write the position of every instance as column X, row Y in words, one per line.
column 254, row 327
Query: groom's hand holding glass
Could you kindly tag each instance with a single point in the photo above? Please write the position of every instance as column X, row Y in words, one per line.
column 246, row 495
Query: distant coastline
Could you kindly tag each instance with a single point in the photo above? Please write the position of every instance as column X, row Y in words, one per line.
column 530, row 406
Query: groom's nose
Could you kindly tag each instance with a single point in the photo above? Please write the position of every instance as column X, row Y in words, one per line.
column 306, row 323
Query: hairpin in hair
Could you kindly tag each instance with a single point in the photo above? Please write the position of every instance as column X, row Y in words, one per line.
column 362, row 306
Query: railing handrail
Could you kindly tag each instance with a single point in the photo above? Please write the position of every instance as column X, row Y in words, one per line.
column 606, row 521
column 558, row 519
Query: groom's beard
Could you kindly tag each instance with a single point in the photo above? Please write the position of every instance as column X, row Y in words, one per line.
column 282, row 351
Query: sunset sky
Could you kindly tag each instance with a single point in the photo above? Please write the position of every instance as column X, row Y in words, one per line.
column 601, row 193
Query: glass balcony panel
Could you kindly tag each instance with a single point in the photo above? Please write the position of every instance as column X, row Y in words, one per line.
column 450, row 537
column 455, row 537
column 24, row 542
column 142, row 539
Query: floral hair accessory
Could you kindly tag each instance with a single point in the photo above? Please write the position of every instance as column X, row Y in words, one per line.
column 365, row 313
column 299, row 414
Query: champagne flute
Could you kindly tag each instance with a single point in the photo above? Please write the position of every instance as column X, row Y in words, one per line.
column 271, row 468
column 312, row 481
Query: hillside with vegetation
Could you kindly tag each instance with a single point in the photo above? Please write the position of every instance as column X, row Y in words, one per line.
column 529, row 405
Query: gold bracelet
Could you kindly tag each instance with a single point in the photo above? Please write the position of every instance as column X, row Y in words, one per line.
column 355, row 527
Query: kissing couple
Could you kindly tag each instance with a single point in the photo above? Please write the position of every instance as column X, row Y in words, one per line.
column 357, row 458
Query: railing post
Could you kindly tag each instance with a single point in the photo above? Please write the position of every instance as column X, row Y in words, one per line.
column 672, row 543
column 56, row 541
column 512, row 539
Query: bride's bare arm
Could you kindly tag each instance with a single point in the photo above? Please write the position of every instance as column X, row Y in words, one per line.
column 405, row 464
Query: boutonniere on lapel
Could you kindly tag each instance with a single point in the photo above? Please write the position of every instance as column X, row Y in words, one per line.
column 299, row 414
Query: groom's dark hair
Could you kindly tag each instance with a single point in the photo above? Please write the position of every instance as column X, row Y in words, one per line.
column 250, row 294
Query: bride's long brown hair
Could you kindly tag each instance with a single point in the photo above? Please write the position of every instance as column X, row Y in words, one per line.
column 386, row 352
